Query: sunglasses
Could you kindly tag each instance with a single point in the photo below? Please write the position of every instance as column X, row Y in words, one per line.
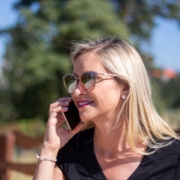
column 87, row 80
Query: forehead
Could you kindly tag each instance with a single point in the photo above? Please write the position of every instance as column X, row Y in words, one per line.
column 87, row 62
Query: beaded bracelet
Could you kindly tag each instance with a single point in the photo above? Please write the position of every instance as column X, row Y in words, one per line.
column 41, row 158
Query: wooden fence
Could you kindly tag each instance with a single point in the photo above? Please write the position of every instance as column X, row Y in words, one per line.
column 8, row 142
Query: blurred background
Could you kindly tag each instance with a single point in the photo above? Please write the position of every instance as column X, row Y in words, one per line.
column 35, row 37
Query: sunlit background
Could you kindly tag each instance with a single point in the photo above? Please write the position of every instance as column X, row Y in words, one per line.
column 34, row 54
column 164, row 43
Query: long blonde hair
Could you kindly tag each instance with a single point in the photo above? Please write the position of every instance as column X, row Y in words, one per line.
column 142, row 120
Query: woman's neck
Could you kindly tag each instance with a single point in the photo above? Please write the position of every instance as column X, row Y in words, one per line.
column 110, row 141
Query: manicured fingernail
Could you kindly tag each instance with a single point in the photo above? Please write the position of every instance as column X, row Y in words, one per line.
column 66, row 102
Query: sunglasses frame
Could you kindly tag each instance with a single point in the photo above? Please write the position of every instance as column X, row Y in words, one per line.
column 78, row 79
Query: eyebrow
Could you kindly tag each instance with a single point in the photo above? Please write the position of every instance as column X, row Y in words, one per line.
column 75, row 74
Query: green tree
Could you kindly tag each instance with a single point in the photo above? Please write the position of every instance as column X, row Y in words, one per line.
column 139, row 15
column 37, row 52
column 170, row 93
column 38, row 47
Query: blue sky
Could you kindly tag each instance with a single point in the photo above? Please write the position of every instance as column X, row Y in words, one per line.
column 8, row 18
column 164, row 45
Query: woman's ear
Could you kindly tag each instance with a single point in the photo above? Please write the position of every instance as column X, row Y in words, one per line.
column 125, row 91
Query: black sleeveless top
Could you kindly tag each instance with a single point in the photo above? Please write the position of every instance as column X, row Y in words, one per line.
column 78, row 161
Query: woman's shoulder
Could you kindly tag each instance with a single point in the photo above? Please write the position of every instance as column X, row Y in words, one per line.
column 164, row 163
column 176, row 145
column 169, row 146
column 173, row 145
column 170, row 150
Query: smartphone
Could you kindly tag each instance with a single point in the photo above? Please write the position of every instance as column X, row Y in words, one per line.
column 71, row 116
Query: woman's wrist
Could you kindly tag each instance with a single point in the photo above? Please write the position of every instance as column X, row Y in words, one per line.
column 42, row 158
column 47, row 152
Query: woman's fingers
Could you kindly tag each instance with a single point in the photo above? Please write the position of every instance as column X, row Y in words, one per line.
column 56, row 112
column 60, row 102
column 60, row 108
column 61, row 105
column 56, row 135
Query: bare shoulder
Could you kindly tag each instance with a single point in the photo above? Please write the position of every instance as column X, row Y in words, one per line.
column 58, row 175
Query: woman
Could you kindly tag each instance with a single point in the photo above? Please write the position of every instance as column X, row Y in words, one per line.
column 127, row 138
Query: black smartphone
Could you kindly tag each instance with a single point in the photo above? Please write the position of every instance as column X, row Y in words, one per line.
column 71, row 116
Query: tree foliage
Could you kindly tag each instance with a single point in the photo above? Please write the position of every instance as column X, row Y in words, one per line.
column 139, row 15
column 170, row 93
column 37, row 53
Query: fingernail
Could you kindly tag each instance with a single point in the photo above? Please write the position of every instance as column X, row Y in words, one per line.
column 66, row 102
column 65, row 108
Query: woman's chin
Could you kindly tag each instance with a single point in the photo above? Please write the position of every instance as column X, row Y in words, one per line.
column 84, row 117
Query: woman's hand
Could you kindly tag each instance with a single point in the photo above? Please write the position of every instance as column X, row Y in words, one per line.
column 56, row 135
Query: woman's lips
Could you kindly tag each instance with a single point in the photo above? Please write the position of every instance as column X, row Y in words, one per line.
column 84, row 103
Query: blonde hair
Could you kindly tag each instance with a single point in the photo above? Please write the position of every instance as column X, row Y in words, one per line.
column 142, row 121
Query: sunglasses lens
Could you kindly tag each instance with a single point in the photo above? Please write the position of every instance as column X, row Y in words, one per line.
column 89, row 79
column 70, row 82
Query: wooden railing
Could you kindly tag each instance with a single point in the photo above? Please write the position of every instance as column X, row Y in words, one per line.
column 8, row 142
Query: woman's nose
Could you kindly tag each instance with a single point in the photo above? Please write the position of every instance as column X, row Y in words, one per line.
column 80, row 88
